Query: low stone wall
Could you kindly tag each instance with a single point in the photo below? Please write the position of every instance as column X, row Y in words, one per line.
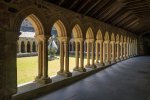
column 26, row 54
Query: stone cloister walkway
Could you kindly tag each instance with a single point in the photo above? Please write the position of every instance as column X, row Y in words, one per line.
column 126, row 80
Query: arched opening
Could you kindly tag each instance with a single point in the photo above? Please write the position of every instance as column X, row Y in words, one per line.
column 27, row 64
column 99, row 49
column 79, row 49
column 117, row 48
column 124, row 47
column 33, row 47
column 22, row 47
column 121, row 47
column 28, row 47
column 58, row 61
column 106, row 50
column 112, row 48
column 90, row 44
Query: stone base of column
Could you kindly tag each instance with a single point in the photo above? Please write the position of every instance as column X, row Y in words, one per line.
column 107, row 63
column 37, row 78
column 99, row 65
column 76, row 69
column 66, row 74
column 91, row 66
column 114, row 61
column 87, row 66
column 117, row 60
column 44, row 80
column 80, row 69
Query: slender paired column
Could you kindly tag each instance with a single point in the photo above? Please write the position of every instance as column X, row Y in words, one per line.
column 45, row 77
column 113, row 51
column 76, row 56
column 104, row 52
column 61, row 58
column 118, row 52
column 19, row 47
column 88, row 54
column 101, row 53
column 40, row 60
column 121, row 51
column 82, row 57
column 97, row 54
column 108, row 53
column 25, row 48
column 66, row 56
column 93, row 55
column 124, row 50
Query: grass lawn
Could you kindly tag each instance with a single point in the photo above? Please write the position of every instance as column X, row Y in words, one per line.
column 27, row 68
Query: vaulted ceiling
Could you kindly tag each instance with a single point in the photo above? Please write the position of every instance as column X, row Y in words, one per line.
column 132, row 15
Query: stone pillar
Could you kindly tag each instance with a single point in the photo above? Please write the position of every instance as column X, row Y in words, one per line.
column 101, row 53
column 124, row 50
column 25, row 47
column 8, row 71
column 31, row 49
column 40, row 60
column 88, row 54
column 97, row 54
column 121, row 51
column 93, row 55
column 45, row 77
column 76, row 56
column 108, row 53
column 104, row 52
column 82, row 69
column 61, row 58
column 113, row 51
column 66, row 56
column 127, row 52
column 117, row 51
column 19, row 47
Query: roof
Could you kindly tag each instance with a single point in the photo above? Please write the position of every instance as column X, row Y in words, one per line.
column 132, row 15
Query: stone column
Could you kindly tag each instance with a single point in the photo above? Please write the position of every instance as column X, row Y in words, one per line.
column 88, row 54
column 97, row 54
column 104, row 52
column 101, row 53
column 127, row 50
column 108, row 53
column 31, row 45
column 40, row 60
column 82, row 69
column 124, row 50
column 25, row 47
column 76, row 56
column 93, row 55
column 19, row 47
column 45, row 78
column 113, row 51
column 121, row 51
column 61, row 58
column 66, row 56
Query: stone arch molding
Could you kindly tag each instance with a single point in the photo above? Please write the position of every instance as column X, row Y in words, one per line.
column 34, row 16
column 60, row 20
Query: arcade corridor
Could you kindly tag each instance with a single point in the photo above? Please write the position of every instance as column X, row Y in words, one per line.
column 126, row 80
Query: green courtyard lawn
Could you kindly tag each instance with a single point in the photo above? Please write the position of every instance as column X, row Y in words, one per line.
column 27, row 68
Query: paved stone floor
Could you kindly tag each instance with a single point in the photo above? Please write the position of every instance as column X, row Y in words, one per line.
column 126, row 80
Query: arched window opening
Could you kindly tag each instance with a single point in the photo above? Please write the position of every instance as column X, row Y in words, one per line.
column 27, row 62
column 28, row 47
column 22, row 47
column 33, row 47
